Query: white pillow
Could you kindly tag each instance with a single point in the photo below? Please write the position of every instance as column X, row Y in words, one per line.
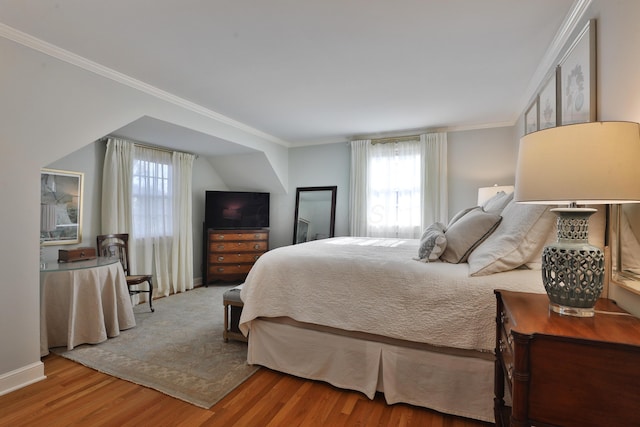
column 432, row 243
column 468, row 232
column 460, row 214
column 498, row 202
column 521, row 236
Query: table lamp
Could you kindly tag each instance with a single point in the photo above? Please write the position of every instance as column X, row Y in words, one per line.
column 577, row 165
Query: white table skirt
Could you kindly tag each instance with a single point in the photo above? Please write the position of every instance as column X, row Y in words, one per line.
column 85, row 305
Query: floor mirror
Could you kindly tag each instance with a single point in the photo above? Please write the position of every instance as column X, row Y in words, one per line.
column 315, row 213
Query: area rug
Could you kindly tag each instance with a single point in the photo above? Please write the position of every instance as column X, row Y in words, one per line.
column 178, row 350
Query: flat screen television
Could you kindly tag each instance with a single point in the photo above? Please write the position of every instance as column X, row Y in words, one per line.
column 236, row 209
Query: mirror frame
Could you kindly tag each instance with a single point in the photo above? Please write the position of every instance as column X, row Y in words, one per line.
column 71, row 187
column 332, row 223
column 618, row 276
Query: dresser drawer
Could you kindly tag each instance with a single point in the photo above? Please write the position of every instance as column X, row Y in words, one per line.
column 234, row 258
column 230, row 254
column 260, row 235
column 252, row 246
column 229, row 269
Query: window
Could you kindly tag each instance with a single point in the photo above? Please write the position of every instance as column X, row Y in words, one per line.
column 151, row 194
column 394, row 190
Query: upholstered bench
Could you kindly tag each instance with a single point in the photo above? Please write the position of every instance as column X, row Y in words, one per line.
column 232, row 311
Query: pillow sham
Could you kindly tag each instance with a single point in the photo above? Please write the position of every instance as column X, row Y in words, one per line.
column 498, row 202
column 459, row 215
column 520, row 238
column 432, row 243
column 468, row 232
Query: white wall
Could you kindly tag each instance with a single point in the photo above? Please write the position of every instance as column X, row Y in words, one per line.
column 479, row 158
column 90, row 160
column 476, row 158
column 618, row 76
column 314, row 166
column 618, row 84
column 48, row 110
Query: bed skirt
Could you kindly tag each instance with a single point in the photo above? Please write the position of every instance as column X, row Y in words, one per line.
column 456, row 382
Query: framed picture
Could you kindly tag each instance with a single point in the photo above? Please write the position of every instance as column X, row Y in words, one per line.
column 531, row 118
column 547, row 101
column 577, row 78
column 60, row 207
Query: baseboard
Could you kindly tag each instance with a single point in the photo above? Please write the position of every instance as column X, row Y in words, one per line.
column 21, row 377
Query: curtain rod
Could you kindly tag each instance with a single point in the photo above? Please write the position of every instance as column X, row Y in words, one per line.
column 149, row 146
column 392, row 139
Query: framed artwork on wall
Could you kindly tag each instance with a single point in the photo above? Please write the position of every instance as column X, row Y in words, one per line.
column 531, row 118
column 60, row 207
column 548, row 103
column 577, row 78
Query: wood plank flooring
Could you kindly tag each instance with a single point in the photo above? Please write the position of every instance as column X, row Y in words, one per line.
column 74, row 395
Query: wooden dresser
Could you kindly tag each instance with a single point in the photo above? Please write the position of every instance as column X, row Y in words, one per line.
column 231, row 253
column 562, row 370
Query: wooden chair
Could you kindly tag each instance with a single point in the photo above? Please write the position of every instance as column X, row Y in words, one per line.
column 117, row 245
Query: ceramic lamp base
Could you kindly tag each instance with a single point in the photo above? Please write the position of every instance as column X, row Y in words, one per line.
column 572, row 269
column 572, row 311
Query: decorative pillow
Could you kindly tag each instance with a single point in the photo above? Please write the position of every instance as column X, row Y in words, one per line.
column 459, row 215
column 497, row 203
column 468, row 232
column 519, row 238
column 432, row 243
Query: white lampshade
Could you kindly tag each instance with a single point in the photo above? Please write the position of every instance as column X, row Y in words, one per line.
column 485, row 193
column 586, row 163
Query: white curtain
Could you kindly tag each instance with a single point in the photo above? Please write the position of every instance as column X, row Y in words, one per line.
column 182, row 250
column 152, row 216
column 358, row 187
column 434, row 178
column 116, row 187
column 397, row 189
column 147, row 194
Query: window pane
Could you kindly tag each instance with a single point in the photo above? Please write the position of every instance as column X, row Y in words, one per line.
column 151, row 199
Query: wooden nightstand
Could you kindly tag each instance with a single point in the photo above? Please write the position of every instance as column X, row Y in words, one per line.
column 562, row 370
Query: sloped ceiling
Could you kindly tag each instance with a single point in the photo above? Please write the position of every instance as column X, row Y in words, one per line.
column 311, row 72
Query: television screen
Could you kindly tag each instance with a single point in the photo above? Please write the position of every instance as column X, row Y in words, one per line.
column 236, row 209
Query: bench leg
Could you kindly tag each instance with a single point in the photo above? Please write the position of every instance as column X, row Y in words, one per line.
column 226, row 322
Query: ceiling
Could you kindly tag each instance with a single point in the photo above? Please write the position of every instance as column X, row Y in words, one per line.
column 307, row 72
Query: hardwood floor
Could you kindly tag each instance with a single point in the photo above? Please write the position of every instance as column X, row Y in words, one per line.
column 74, row 395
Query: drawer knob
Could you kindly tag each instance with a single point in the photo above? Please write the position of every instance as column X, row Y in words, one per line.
column 220, row 258
column 256, row 246
column 503, row 318
column 220, row 269
column 220, row 247
column 220, row 236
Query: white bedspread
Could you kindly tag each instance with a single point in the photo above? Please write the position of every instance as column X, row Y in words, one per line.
column 375, row 286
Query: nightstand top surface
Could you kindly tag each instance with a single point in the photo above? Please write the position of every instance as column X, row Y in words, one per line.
column 531, row 315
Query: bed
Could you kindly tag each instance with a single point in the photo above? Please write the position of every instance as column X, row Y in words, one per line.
column 369, row 314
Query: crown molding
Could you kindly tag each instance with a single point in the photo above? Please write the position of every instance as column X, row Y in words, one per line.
column 54, row 51
column 549, row 61
column 400, row 133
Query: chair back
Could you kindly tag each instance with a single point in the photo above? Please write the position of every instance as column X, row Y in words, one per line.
column 115, row 245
